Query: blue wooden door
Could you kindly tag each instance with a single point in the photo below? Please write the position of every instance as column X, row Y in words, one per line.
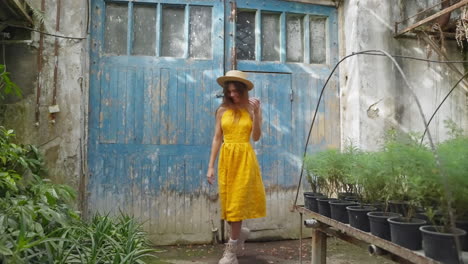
column 152, row 103
column 153, row 98
column 288, row 49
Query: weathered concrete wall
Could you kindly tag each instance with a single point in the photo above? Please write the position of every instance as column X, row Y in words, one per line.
column 374, row 96
column 62, row 142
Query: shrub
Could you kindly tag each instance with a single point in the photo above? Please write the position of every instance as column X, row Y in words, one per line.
column 38, row 224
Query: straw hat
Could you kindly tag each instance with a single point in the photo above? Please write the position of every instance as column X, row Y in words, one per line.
column 235, row 76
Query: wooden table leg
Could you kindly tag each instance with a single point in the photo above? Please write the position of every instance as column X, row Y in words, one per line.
column 319, row 247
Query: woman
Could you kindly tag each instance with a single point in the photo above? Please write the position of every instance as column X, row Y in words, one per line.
column 241, row 189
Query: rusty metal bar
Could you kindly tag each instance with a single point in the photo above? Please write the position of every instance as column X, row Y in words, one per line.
column 351, row 234
column 56, row 55
column 233, row 20
column 39, row 70
column 433, row 17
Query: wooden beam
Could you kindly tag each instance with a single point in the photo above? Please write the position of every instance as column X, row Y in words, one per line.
column 22, row 10
column 402, row 253
column 433, row 17
column 438, row 50
column 319, row 247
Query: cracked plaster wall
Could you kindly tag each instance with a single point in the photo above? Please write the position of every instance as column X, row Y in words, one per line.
column 62, row 142
column 374, row 96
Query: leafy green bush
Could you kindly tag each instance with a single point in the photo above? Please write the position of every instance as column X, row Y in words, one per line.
column 6, row 85
column 331, row 170
column 368, row 177
column 403, row 171
column 103, row 240
column 454, row 155
column 38, row 225
column 406, row 165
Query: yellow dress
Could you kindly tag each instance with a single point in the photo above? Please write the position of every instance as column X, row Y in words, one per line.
column 241, row 189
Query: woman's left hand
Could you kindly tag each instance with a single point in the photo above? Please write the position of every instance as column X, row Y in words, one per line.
column 254, row 104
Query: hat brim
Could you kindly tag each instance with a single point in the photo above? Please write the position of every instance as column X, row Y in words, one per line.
column 223, row 79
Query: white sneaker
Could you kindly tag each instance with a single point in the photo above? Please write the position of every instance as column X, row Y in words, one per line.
column 229, row 255
column 244, row 234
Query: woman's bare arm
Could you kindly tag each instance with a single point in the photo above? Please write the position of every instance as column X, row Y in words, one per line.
column 257, row 118
column 215, row 145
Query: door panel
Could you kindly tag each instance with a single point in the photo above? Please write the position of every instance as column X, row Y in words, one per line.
column 288, row 49
column 152, row 104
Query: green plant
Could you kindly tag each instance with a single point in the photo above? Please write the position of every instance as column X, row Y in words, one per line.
column 368, row 178
column 330, row 170
column 103, row 240
column 453, row 155
column 405, row 165
column 6, row 85
column 447, row 183
column 38, row 224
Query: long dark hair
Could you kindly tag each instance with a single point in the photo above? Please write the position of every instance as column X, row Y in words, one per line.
column 228, row 103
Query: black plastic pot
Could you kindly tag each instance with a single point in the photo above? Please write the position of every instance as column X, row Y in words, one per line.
column 463, row 225
column 405, row 232
column 436, row 220
column 441, row 246
column 351, row 199
column 344, row 195
column 358, row 216
column 422, row 215
column 379, row 206
column 338, row 210
column 324, row 206
column 379, row 225
column 310, row 200
column 399, row 207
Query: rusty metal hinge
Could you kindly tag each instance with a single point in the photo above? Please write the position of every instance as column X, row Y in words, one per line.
column 233, row 19
column 233, row 58
column 233, row 16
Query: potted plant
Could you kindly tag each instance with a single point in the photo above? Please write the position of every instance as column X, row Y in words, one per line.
column 328, row 171
column 403, row 161
column 331, row 173
column 454, row 156
column 316, row 170
column 345, row 187
column 370, row 185
column 444, row 241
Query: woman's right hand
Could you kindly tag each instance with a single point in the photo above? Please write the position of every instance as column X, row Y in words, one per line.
column 210, row 175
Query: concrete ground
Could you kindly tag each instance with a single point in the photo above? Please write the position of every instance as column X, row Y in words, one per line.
column 284, row 252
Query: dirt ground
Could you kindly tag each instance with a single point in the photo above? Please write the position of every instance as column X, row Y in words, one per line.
column 287, row 252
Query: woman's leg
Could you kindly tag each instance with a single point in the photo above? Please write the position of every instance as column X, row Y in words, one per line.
column 229, row 256
column 235, row 229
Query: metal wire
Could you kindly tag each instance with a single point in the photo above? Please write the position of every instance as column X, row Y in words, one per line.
column 448, row 192
column 42, row 32
column 369, row 53
column 440, row 105
column 4, row 59
column 313, row 120
column 416, row 58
